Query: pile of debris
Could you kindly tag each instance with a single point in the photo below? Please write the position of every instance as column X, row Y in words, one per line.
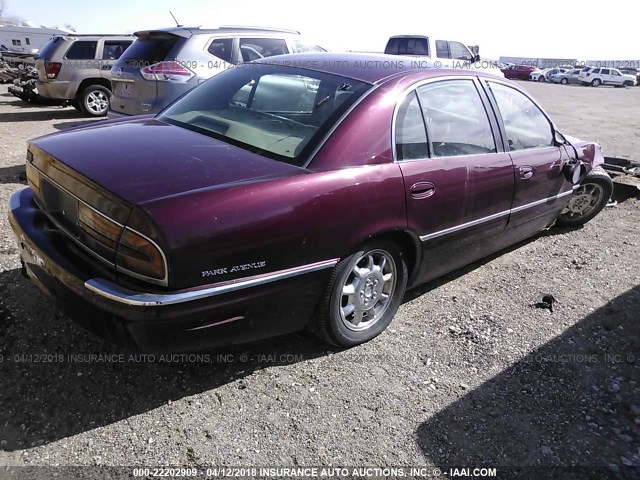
column 24, row 83
column 8, row 73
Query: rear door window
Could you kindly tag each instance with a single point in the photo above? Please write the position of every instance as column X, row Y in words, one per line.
column 457, row 122
column 411, row 133
column 113, row 50
column 256, row 48
column 82, row 50
column 222, row 48
column 442, row 49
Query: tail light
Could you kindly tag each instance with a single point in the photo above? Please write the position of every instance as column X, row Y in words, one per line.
column 52, row 69
column 98, row 226
column 167, row 72
column 135, row 254
column 139, row 255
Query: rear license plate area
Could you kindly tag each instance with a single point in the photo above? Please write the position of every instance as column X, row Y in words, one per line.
column 61, row 206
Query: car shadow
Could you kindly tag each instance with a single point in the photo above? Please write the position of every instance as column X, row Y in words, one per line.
column 13, row 174
column 18, row 102
column 622, row 192
column 574, row 401
column 420, row 290
column 42, row 114
column 57, row 380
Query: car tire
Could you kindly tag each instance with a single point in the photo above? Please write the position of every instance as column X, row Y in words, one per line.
column 376, row 271
column 588, row 199
column 541, row 78
column 564, row 81
column 596, row 82
column 94, row 100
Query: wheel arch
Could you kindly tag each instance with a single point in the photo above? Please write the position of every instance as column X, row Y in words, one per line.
column 408, row 242
column 103, row 82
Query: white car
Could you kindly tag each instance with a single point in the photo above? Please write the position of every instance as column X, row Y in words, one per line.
column 544, row 75
column 596, row 76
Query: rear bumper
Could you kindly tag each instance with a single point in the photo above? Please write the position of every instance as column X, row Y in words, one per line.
column 113, row 114
column 57, row 89
column 217, row 315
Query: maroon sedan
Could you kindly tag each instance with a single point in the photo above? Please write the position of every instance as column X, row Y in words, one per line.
column 304, row 193
column 517, row 72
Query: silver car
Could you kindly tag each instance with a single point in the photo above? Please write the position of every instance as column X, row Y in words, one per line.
column 565, row 78
column 77, row 68
column 162, row 65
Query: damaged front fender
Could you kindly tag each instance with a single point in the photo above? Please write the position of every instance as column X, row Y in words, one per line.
column 586, row 156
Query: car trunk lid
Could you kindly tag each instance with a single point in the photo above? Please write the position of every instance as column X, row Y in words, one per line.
column 145, row 159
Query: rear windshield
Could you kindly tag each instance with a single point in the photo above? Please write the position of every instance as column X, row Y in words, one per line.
column 149, row 49
column 49, row 49
column 274, row 110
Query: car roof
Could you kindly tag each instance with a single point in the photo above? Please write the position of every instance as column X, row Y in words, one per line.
column 184, row 31
column 97, row 35
column 366, row 67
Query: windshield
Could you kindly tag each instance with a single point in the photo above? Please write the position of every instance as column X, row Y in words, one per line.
column 49, row 48
column 277, row 111
column 149, row 49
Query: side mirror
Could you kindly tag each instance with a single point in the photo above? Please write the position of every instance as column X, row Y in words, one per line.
column 476, row 58
column 574, row 171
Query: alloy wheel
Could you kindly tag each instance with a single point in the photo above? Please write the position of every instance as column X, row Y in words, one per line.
column 97, row 102
column 368, row 290
column 584, row 200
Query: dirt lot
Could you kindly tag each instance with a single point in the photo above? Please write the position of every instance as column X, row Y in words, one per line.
column 468, row 374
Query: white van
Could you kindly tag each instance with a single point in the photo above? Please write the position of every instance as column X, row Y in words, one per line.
column 441, row 53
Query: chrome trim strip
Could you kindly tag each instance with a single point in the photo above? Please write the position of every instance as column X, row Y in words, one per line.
column 540, row 202
column 228, row 320
column 457, row 228
column 495, row 216
column 125, row 296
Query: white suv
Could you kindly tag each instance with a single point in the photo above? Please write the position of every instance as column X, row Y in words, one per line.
column 596, row 76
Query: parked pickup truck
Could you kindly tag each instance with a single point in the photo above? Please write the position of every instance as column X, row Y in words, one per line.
column 439, row 53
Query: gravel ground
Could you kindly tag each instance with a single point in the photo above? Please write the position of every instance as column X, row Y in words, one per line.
column 469, row 373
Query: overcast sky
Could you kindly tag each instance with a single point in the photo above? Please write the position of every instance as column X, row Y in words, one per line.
column 541, row 28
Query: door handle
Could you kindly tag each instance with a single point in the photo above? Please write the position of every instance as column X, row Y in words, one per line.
column 526, row 172
column 422, row 190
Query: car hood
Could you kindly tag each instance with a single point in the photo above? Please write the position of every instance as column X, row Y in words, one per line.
column 145, row 159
